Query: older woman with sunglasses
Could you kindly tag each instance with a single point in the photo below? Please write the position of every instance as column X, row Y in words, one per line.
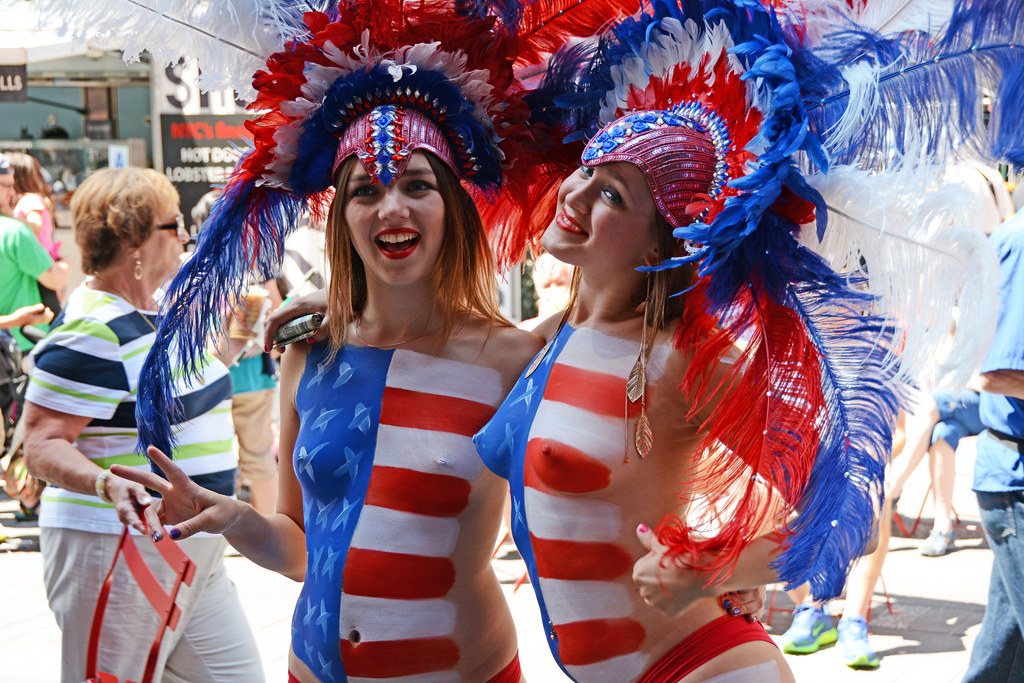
column 80, row 420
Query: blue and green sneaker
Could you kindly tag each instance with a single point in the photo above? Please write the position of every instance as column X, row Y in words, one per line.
column 853, row 641
column 811, row 630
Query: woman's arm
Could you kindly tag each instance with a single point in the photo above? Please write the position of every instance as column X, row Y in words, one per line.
column 276, row 542
column 50, row 455
column 36, row 314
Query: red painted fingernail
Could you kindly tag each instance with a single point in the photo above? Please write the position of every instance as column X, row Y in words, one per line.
column 266, row 349
column 643, row 528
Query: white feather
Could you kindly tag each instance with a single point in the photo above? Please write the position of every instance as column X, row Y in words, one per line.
column 862, row 79
column 818, row 18
column 230, row 38
column 932, row 269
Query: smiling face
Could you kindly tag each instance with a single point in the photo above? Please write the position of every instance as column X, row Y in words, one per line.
column 604, row 220
column 396, row 230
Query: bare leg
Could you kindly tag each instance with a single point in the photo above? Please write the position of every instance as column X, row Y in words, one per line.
column 918, row 437
column 860, row 586
column 943, row 469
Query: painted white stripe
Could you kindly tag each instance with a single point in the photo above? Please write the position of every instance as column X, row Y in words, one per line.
column 615, row 670
column 382, row 619
column 404, row 532
column 569, row 601
column 427, row 451
column 420, row 372
column 578, row 518
column 595, row 435
column 591, row 350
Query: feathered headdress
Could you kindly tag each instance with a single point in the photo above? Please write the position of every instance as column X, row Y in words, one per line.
column 372, row 79
column 724, row 94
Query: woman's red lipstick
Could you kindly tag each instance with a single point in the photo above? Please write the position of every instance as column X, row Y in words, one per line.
column 566, row 222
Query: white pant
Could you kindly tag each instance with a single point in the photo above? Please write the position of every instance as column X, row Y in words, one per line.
column 212, row 643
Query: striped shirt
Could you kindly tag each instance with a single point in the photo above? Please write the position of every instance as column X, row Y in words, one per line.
column 89, row 365
column 386, row 462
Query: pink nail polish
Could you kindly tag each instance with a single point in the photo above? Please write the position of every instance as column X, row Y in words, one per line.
column 643, row 528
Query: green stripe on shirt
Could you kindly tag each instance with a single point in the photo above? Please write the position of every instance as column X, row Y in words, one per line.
column 72, row 392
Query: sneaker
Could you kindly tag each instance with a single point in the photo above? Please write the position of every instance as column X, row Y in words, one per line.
column 811, row 629
column 937, row 544
column 853, row 642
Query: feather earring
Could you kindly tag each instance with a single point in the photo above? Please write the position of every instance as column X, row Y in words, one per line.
column 636, row 388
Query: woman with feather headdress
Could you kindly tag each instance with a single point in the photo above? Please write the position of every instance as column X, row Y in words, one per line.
column 684, row 221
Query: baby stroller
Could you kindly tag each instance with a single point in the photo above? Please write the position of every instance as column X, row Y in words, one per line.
column 18, row 483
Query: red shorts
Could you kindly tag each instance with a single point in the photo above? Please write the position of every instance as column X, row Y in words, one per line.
column 510, row 674
column 703, row 645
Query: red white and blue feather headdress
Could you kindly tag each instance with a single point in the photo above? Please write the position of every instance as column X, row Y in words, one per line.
column 719, row 90
column 376, row 79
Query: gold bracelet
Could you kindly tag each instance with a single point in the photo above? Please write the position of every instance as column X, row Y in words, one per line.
column 101, row 486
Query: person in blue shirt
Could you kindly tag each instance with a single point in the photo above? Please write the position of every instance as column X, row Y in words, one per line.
column 998, row 653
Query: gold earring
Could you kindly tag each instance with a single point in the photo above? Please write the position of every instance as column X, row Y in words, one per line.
column 138, row 269
column 636, row 388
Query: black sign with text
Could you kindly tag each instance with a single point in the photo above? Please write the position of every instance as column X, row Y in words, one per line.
column 13, row 83
column 200, row 152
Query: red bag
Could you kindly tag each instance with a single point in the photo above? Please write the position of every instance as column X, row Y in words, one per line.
column 162, row 601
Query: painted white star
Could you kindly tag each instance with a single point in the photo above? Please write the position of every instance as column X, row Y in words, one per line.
column 509, row 443
column 329, row 562
column 351, row 464
column 518, row 519
column 346, row 510
column 325, row 511
column 324, row 419
column 306, row 459
column 360, row 418
column 321, row 372
column 345, row 373
column 527, row 395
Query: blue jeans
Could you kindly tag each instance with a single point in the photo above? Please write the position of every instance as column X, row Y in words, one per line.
column 998, row 653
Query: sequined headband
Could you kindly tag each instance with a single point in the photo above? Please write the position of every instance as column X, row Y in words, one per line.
column 681, row 151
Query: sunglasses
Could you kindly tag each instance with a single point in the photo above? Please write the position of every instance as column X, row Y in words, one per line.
column 179, row 226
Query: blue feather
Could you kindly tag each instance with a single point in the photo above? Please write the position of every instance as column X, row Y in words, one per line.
column 845, row 488
column 209, row 282
column 937, row 81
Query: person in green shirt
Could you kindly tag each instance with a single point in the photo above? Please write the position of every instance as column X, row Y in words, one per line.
column 24, row 263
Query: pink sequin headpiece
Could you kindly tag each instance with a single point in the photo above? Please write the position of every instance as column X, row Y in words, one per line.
column 681, row 151
column 386, row 137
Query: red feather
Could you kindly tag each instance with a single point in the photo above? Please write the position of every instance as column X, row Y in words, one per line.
column 548, row 25
column 761, row 433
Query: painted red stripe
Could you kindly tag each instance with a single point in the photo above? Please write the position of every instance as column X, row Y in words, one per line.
column 555, row 465
column 377, row 574
column 580, row 561
column 588, row 642
column 596, row 392
column 437, row 495
column 292, row 678
column 420, row 410
column 393, row 658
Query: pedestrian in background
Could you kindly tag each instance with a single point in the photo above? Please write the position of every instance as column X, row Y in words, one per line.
column 80, row 420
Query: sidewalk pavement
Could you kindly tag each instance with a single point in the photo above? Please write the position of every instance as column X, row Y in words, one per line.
column 937, row 605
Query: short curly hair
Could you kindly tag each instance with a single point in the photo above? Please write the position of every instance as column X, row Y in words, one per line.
column 115, row 209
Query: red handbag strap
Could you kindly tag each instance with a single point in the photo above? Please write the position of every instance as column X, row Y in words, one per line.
column 162, row 601
column 101, row 607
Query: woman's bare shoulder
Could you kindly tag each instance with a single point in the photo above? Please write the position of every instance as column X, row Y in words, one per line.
column 501, row 347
